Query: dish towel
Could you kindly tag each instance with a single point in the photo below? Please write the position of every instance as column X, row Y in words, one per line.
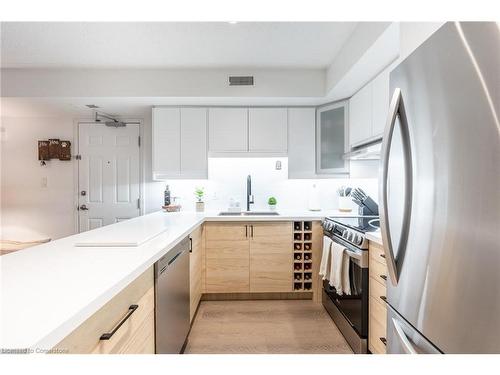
column 339, row 270
column 325, row 257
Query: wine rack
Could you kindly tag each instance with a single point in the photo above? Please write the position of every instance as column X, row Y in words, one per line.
column 302, row 256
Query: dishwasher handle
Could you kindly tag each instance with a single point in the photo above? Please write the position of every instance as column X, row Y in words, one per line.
column 174, row 258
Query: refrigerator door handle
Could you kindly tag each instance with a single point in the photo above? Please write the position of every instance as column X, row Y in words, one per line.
column 407, row 346
column 396, row 110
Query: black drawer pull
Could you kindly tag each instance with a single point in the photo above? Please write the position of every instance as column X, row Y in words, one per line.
column 107, row 336
column 383, row 277
column 383, row 298
column 382, row 255
column 384, row 341
column 190, row 245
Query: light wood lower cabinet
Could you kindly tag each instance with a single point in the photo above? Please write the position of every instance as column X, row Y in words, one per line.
column 135, row 336
column 248, row 257
column 195, row 270
column 227, row 260
column 271, row 257
column 377, row 324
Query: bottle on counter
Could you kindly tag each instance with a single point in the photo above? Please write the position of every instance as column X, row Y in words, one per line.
column 167, row 196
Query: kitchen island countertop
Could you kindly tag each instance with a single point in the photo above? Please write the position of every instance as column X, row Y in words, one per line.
column 49, row 290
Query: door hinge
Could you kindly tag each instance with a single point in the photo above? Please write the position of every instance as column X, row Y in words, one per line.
column 78, row 157
column 139, row 203
column 139, row 141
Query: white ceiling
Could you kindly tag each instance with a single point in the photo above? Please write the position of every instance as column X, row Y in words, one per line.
column 172, row 44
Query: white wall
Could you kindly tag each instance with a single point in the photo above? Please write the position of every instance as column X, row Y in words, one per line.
column 413, row 34
column 160, row 83
column 28, row 210
column 227, row 179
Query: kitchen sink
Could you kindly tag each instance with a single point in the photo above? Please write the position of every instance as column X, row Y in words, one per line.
column 249, row 213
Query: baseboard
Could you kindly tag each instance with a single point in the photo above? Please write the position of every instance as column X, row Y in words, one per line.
column 256, row 296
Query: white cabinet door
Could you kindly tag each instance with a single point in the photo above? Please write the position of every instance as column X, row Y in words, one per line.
column 228, row 129
column 166, row 141
column 193, row 143
column 267, row 129
column 301, row 142
column 381, row 99
column 360, row 115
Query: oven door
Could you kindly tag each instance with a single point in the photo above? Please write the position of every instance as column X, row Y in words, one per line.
column 354, row 307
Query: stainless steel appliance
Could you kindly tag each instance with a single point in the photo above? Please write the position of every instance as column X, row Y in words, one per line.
column 350, row 312
column 439, row 194
column 172, row 299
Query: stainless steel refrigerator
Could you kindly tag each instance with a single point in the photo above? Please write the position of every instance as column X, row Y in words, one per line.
column 440, row 194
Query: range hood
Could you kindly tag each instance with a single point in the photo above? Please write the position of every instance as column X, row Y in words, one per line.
column 367, row 151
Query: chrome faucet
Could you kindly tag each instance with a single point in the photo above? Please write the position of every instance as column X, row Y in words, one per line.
column 249, row 192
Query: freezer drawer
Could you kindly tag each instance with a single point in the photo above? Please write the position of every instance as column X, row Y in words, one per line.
column 402, row 338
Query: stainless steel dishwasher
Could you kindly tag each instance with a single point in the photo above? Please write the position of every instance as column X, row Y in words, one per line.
column 172, row 299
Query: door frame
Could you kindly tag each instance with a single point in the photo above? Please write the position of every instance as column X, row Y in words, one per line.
column 76, row 165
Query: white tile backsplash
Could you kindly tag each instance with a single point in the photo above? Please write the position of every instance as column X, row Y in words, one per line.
column 227, row 179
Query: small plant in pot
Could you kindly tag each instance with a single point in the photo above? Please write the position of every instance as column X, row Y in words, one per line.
column 200, row 205
column 272, row 203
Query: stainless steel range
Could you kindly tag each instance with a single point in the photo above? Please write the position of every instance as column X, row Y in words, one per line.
column 350, row 312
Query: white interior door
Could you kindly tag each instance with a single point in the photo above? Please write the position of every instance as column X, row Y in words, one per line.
column 108, row 174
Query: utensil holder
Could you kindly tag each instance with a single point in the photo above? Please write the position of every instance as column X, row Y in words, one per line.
column 345, row 204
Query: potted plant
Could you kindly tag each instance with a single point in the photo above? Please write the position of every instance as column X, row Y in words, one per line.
column 200, row 205
column 272, row 203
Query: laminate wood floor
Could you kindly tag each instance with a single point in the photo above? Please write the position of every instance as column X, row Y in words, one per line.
column 264, row 327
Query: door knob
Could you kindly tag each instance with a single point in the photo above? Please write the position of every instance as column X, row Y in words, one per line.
column 83, row 207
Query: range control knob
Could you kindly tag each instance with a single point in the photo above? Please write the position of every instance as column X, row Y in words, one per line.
column 350, row 237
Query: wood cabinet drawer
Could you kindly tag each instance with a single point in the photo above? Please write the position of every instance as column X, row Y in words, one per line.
column 377, row 290
column 377, row 271
column 135, row 335
column 377, row 252
column 377, row 326
column 226, row 231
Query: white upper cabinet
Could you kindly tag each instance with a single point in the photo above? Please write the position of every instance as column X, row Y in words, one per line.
column 267, row 130
column 194, row 160
column 368, row 110
column 179, row 142
column 360, row 115
column 228, row 129
column 301, row 143
column 381, row 101
column 166, row 141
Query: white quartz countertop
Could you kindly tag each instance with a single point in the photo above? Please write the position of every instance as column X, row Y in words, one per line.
column 49, row 290
column 375, row 237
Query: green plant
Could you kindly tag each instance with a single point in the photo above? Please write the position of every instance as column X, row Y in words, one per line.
column 199, row 192
column 272, row 201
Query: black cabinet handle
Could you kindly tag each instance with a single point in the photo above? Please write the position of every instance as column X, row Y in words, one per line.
column 384, row 341
column 107, row 336
column 383, row 277
column 382, row 256
column 190, row 245
column 383, row 298
column 252, row 230
column 246, row 230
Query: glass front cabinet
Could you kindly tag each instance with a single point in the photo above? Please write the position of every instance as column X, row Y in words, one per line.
column 332, row 139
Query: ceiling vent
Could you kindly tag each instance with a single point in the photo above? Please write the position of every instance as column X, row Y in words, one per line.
column 241, row 81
